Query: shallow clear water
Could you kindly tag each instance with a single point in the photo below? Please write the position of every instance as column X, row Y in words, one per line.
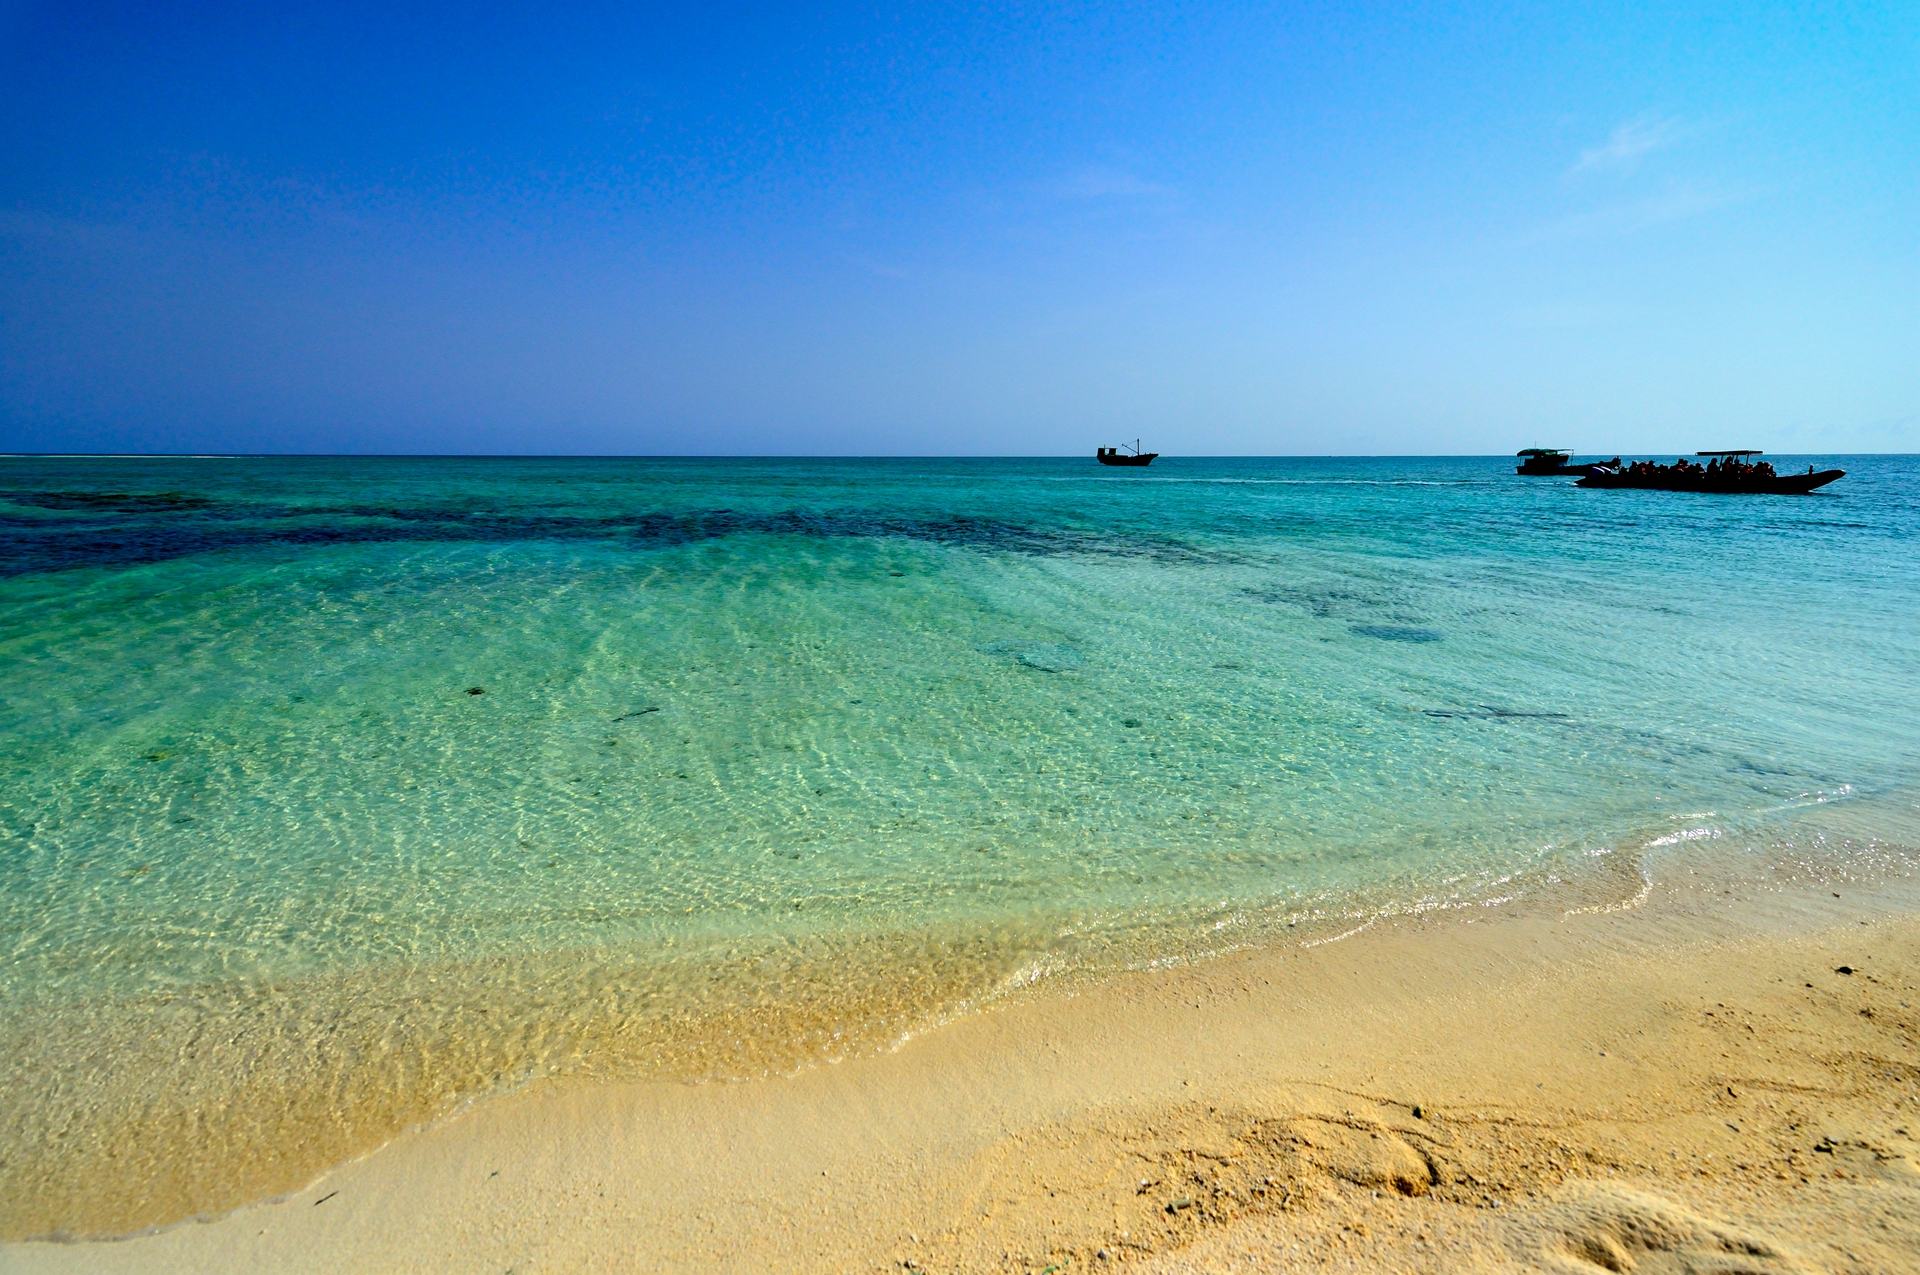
column 777, row 760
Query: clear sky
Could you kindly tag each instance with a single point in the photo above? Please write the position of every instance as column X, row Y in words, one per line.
column 877, row 229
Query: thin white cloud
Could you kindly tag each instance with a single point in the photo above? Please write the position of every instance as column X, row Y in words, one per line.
column 1639, row 214
column 1628, row 144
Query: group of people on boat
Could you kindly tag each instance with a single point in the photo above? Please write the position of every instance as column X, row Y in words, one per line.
column 1731, row 469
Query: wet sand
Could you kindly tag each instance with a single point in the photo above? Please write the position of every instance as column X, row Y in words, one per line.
column 1725, row 1077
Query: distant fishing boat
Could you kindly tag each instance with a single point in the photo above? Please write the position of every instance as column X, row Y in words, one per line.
column 1542, row 460
column 1114, row 456
column 1729, row 472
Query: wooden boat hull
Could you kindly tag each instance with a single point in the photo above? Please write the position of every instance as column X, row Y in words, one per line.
column 1778, row 485
column 1144, row 458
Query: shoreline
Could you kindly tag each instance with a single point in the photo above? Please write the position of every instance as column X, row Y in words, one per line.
column 233, row 1095
column 1696, row 1063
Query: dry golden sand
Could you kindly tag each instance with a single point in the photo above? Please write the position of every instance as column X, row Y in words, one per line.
column 1689, row 1085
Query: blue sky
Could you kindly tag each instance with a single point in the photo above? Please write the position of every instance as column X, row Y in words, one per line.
column 1253, row 229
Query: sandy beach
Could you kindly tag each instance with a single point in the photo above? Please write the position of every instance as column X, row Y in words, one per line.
column 1722, row 1077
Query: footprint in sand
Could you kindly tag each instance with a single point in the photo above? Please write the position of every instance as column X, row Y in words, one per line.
column 1371, row 1158
column 1594, row 1227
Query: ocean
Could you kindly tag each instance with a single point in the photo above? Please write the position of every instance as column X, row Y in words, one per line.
column 340, row 793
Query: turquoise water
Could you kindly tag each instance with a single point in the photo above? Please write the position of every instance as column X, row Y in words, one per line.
column 779, row 760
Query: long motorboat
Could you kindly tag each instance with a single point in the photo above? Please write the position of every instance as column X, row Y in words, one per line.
column 1729, row 472
column 1114, row 456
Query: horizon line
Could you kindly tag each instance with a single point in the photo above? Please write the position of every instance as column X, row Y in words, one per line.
column 833, row 455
